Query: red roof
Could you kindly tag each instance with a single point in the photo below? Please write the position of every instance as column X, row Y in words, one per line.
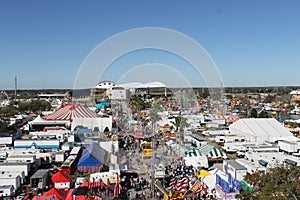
column 60, row 177
column 69, row 195
column 57, row 194
column 71, row 111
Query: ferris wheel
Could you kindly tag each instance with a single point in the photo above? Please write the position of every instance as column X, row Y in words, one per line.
column 4, row 99
column 5, row 95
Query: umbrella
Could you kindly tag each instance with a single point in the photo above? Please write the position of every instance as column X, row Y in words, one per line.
column 203, row 173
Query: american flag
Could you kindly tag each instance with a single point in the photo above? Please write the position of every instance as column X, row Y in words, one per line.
column 172, row 184
column 182, row 184
column 117, row 187
column 101, row 184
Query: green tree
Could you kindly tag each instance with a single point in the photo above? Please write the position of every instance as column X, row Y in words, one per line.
column 34, row 106
column 4, row 127
column 262, row 114
column 8, row 111
column 281, row 182
column 180, row 123
column 137, row 104
column 154, row 117
column 269, row 98
column 253, row 113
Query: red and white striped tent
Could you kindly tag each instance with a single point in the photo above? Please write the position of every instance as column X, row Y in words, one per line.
column 71, row 111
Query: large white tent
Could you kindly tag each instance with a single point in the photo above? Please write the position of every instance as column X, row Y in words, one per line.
column 78, row 115
column 260, row 129
column 135, row 85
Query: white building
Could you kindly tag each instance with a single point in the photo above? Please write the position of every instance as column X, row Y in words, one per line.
column 6, row 141
column 21, row 174
column 7, row 190
column 271, row 159
column 16, row 166
column 195, row 140
column 91, row 123
column 289, row 147
column 251, row 167
column 234, row 168
column 10, row 178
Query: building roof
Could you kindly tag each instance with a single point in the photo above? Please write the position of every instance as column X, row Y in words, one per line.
column 58, row 194
column 60, row 177
column 93, row 155
column 197, row 137
column 6, row 186
column 8, row 175
column 236, row 165
column 40, row 173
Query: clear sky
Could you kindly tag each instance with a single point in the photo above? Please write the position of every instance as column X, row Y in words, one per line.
column 253, row 43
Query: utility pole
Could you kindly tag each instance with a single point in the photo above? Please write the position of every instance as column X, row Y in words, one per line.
column 15, row 88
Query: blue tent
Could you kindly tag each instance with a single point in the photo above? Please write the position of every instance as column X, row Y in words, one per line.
column 92, row 159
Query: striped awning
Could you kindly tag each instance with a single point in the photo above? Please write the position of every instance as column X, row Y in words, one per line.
column 70, row 112
column 193, row 153
column 212, row 152
column 216, row 153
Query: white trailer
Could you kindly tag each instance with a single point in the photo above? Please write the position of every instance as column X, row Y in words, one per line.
column 59, row 157
column 10, row 179
column 6, row 141
column 67, row 146
column 287, row 146
column 7, row 190
column 37, row 144
column 16, row 166
column 236, row 170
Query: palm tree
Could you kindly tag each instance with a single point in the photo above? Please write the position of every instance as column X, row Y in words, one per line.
column 180, row 123
column 137, row 104
column 154, row 117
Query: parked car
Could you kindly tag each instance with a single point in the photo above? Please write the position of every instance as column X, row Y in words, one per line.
column 240, row 153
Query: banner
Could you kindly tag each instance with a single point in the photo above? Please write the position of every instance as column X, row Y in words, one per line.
column 196, row 187
column 161, row 188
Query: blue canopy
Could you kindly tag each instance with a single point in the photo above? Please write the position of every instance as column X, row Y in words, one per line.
column 92, row 159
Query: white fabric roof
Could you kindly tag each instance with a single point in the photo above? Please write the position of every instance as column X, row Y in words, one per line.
column 295, row 92
column 39, row 120
column 142, row 85
column 259, row 129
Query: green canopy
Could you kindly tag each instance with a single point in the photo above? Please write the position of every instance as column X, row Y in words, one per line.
column 245, row 186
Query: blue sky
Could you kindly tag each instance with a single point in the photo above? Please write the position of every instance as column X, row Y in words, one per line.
column 253, row 43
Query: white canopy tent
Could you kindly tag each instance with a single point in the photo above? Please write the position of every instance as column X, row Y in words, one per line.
column 260, row 129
